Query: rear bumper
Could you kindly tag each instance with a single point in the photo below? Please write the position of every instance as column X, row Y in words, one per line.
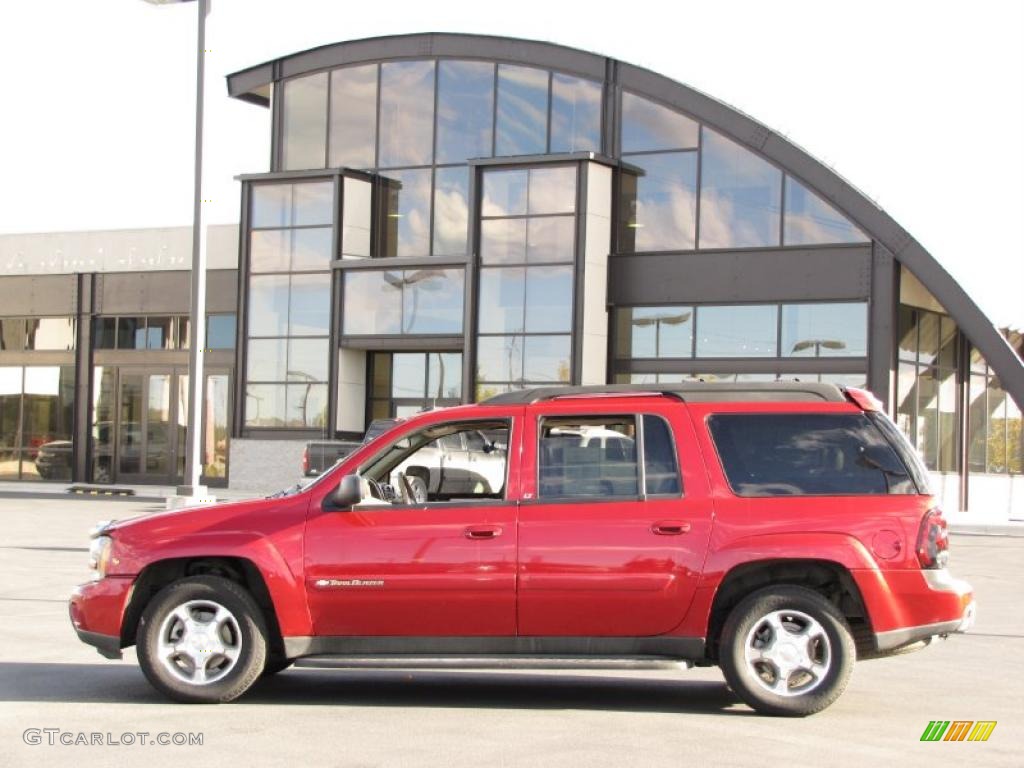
column 96, row 610
column 945, row 603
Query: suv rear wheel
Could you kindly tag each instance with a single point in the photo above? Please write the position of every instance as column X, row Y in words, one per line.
column 202, row 640
column 786, row 650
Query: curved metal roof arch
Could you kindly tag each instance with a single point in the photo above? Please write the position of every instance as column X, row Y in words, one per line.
column 250, row 85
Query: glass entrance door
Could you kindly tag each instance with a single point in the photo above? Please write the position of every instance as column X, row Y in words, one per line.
column 405, row 383
column 147, row 441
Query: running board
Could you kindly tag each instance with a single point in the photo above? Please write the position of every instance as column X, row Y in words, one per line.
column 405, row 661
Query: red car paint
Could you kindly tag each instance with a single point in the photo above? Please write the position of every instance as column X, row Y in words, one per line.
column 528, row 568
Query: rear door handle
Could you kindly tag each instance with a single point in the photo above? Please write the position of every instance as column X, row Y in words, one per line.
column 670, row 528
column 483, row 532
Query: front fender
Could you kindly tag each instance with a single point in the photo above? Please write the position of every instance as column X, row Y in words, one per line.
column 286, row 588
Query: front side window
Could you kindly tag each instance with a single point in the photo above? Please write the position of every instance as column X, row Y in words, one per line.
column 597, row 457
column 807, row 454
column 443, row 463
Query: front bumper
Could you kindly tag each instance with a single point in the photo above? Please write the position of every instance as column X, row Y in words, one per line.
column 935, row 593
column 96, row 610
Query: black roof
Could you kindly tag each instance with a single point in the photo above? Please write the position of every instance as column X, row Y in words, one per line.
column 690, row 391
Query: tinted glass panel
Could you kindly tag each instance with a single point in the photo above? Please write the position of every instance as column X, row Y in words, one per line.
column 499, row 358
column 522, row 111
column 650, row 126
column 407, row 214
column 287, row 205
column 268, row 305
column 406, row 113
column 546, row 358
column 503, row 241
column 587, row 458
column 310, row 309
column 658, row 202
column 265, row 405
column 432, row 301
column 807, row 454
column 220, row 332
column 575, row 114
column 105, row 333
column 373, row 303
column 160, row 333
column 660, row 468
column 307, row 360
column 552, row 190
column 269, row 250
column 505, row 193
column 12, row 334
column 737, row 331
column 502, row 297
column 548, row 299
column 810, row 220
column 266, row 360
column 55, row 333
column 353, row 116
column 655, row 332
column 311, row 249
column 451, row 211
column 305, row 122
column 740, row 196
column 551, row 238
column 131, row 333
column 444, row 375
column 408, row 375
column 465, row 110
column 825, row 330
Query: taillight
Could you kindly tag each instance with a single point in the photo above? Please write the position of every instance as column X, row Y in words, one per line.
column 933, row 540
column 305, row 461
column 865, row 399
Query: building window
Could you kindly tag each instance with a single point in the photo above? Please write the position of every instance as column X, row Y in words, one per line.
column 19, row 334
column 220, row 331
column 810, row 220
column 740, row 196
column 305, row 122
column 353, row 119
column 927, row 409
column 36, row 422
column 158, row 332
column 527, row 253
column 575, row 114
column 836, row 329
column 289, row 305
column 413, row 301
column 995, row 436
column 404, row 383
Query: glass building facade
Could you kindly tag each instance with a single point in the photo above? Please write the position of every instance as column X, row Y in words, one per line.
column 448, row 217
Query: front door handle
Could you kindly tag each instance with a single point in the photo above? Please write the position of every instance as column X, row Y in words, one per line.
column 483, row 532
column 670, row 528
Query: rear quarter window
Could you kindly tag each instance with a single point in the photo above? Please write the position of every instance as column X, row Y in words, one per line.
column 807, row 454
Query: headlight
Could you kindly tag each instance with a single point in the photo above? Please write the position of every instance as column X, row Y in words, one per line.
column 99, row 555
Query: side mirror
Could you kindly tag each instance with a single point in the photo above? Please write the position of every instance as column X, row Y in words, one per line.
column 348, row 493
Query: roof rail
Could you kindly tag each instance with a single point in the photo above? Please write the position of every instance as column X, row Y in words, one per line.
column 691, row 391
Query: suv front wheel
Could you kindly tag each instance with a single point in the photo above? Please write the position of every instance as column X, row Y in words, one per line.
column 786, row 650
column 202, row 640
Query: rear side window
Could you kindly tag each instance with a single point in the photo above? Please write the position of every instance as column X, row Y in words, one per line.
column 597, row 457
column 803, row 454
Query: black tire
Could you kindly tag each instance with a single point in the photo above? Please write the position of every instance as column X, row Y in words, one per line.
column 742, row 675
column 251, row 640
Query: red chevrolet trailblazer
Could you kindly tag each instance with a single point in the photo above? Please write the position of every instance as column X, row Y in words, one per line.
column 779, row 531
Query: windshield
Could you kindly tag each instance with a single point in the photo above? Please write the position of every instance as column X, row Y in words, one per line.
column 307, row 483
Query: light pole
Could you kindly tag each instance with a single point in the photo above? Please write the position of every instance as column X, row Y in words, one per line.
column 818, row 344
column 193, row 490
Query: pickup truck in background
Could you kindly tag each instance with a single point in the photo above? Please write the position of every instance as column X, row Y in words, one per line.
column 320, row 455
